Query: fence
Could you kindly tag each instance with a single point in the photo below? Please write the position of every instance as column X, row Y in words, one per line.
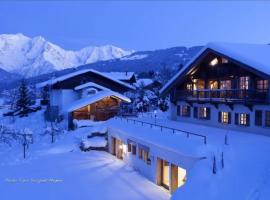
column 174, row 130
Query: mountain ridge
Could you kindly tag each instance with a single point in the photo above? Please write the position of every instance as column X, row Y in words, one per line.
column 36, row 56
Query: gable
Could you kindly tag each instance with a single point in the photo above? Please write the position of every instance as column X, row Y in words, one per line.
column 206, row 55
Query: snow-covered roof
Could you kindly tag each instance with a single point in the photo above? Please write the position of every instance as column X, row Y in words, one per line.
column 256, row 56
column 70, row 75
column 94, row 98
column 90, row 84
column 120, row 75
column 144, row 81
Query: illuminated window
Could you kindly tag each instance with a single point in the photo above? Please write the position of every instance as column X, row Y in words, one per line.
column 184, row 111
column 140, row 153
column 267, row 118
column 189, row 86
column 224, row 60
column 129, row 147
column 243, row 119
column 226, row 84
column 204, row 113
column 262, row 85
column 214, row 62
column 213, row 85
column 224, row 117
column 244, row 83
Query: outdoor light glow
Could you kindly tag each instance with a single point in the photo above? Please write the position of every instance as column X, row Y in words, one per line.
column 124, row 146
column 214, row 62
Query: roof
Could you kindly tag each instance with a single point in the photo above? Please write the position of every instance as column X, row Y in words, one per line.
column 120, row 75
column 70, row 75
column 94, row 98
column 144, row 81
column 90, row 84
column 256, row 56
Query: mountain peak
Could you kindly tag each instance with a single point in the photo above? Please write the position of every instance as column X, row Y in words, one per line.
column 35, row 56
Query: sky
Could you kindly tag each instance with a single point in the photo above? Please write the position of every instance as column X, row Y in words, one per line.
column 138, row 25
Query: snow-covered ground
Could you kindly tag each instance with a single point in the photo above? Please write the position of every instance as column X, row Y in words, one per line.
column 246, row 172
column 61, row 171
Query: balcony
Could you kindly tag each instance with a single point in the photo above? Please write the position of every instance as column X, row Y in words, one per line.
column 223, row 96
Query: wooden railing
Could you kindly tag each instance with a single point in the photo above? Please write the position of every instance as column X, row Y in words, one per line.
column 174, row 130
column 223, row 95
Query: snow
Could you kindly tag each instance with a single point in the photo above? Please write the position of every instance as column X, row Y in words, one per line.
column 144, row 81
column 90, row 84
column 254, row 55
column 61, row 171
column 94, row 98
column 120, row 75
column 134, row 57
column 175, row 142
column 35, row 56
column 246, row 158
column 86, row 123
column 94, row 142
column 70, row 75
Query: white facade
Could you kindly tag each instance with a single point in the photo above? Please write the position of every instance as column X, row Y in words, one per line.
column 156, row 151
column 214, row 112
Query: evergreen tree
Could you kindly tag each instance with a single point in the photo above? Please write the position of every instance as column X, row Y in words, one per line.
column 23, row 100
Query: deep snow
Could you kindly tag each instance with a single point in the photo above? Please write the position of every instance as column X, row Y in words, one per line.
column 61, row 171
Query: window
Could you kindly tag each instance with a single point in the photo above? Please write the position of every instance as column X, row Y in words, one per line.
column 262, row 85
column 184, row 111
column 129, row 147
column 244, row 83
column 224, row 117
column 242, row 119
column 214, row 62
column 140, row 153
column 195, row 112
column 204, row 113
column 178, row 110
column 213, row 85
column 189, row 86
column 267, row 118
column 224, row 60
column 134, row 149
column 226, row 84
column 258, row 118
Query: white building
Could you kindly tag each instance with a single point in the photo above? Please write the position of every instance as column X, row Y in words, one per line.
column 226, row 86
column 86, row 94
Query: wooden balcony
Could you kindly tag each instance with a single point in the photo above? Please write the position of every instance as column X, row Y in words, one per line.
column 222, row 96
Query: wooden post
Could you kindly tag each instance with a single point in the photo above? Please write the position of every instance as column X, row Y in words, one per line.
column 24, row 145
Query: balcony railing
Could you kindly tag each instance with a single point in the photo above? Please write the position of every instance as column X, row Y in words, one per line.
column 221, row 95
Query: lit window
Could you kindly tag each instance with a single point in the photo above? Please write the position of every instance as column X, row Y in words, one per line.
column 189, row 86
column 243, row 119
column 226, row 84
column 184, row 111
column 244, row 83
column 225, row 117
column 224, row 60
column 262, row 85
column 214, row 62
column 140, row 153
column 213, row 85
column 204, row 113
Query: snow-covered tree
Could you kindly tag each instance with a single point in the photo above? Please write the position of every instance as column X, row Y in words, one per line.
column 23, row 101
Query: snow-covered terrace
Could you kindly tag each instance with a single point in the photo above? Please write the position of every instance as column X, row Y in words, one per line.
column 246, row 171
column 177, row 142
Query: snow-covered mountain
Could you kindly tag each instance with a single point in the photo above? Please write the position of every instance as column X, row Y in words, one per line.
column 34, row 56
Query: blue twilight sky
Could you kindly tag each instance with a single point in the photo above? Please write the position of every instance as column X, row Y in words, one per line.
column 138, row 25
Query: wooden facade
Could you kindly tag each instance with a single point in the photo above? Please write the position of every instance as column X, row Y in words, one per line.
column 99, row 111
column 219, row 79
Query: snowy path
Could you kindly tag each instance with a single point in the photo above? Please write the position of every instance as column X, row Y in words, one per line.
column 92, row 175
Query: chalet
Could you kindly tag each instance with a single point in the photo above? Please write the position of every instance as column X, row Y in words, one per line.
column 127, row 77
column 225, row 85
column 85, row 94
